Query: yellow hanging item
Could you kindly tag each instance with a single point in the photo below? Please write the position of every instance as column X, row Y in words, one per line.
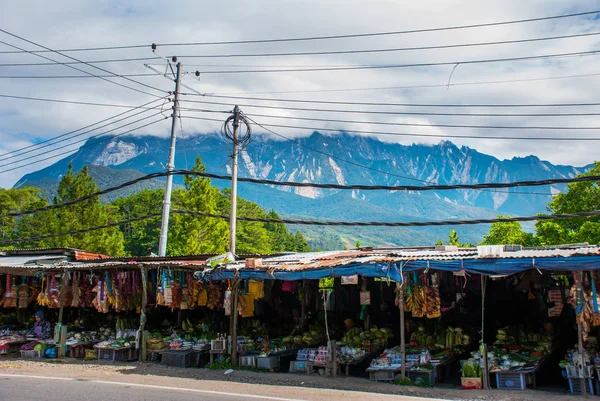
column 246, row 305
column 256, row 289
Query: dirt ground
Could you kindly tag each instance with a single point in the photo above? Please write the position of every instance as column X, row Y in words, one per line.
column 153, row 373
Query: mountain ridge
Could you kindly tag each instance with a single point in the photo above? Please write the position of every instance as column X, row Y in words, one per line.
column 341, row 159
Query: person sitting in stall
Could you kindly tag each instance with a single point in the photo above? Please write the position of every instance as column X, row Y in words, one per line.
column 42, row 329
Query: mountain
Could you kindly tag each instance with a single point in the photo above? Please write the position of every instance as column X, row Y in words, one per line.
column 342, row 159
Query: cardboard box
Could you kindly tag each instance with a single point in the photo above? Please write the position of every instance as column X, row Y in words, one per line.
column 253, row 263
column 471, row 383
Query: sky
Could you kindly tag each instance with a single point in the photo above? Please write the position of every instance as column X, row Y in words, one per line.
column 65, row 24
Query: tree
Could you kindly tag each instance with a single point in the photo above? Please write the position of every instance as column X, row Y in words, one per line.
column 510, row 233
column 453, row 239
column 141, row 237
column 300, row 244
column 13, row 201
column 87, row 214
column 580, row 197
column 189, row 235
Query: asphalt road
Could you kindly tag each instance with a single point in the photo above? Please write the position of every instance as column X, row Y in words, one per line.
column 32, row 388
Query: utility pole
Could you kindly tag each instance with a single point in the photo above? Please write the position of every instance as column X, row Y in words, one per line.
column 164, row 227
column 234, row 136
column 234, row 173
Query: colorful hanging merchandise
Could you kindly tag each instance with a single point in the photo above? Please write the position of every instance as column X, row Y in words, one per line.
column 100, row 301
column 53, row 293
column 10, row 295
column 215, row 297
column 588, row 313
column 246, row 306
column 42, row 299
column 75, row 293
column 256, row 289
column 23, row 296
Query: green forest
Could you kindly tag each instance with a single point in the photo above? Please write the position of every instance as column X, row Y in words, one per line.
column 580, row 197
column 188, row 235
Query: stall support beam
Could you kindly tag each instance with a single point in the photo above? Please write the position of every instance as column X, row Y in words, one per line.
column 142, row 334
column 234, row 311
column 402, row 330
column 580, row 343
column 62, row 334
column 303, row 314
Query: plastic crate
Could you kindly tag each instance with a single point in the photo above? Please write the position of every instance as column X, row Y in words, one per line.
column 423, row 378
column 118, row 355
column 575, row 386
column 4, row 349
column 575, row 372
column 299, row 366
column 248, row 361
column 153, row 356
column 511, row 381
column 386, row 375
column 32, row 354
column 218, row 345
column 178, row 359
column 267, row 362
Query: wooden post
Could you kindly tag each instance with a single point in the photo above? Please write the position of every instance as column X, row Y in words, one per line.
column 234, row 311
column 580, row 346
column 486, row 373
column 332, row 357
column 303, row 317
column 142, row 334
column 402, row 330
column 62, row 334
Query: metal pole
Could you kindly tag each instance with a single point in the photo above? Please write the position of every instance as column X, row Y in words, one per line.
column 164, row 227
column 234, row 173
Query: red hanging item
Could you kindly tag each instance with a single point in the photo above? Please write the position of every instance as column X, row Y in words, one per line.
column 288, row 286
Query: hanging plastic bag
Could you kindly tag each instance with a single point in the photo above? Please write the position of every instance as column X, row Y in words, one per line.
column 202, row 297
column 256, row 289
column 227, row 303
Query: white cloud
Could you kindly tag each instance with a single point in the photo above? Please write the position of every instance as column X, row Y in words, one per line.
column 68, row 24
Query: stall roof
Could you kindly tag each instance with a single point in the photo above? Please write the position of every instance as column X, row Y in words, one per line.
column 386, row 262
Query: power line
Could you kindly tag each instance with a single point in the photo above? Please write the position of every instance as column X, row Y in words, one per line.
column 412, row 135
column 320, row 222
column 390, row 66
column 73, row 76
column 78, row 69
column 444, row 126
column 389, row 50
column 351, row 162
column 417, row 188
column 79, row 129
column 398, row 113
column 266, row 99
column 362, row 35
column 71, row 137
column 82, row 231
column 397, row 224
column 425, row 86
column 124, row 106
column 122, row 60
column 310, row 38
column 89, row 144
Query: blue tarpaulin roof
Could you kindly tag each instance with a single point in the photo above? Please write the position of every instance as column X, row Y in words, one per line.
column 391, row 264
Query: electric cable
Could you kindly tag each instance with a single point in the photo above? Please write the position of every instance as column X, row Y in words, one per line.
column 395, row 113
column 424, row 86
column 416, row 135
column 329, row 37
column 320, row 222
column 417, row 188
column 123, row 106
column 86, row 145
column 122, row 60
column 40, row 147
column 132, row 108
column 387, row 50
column 413, row 65
column 73, row 76
column 78, row 69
